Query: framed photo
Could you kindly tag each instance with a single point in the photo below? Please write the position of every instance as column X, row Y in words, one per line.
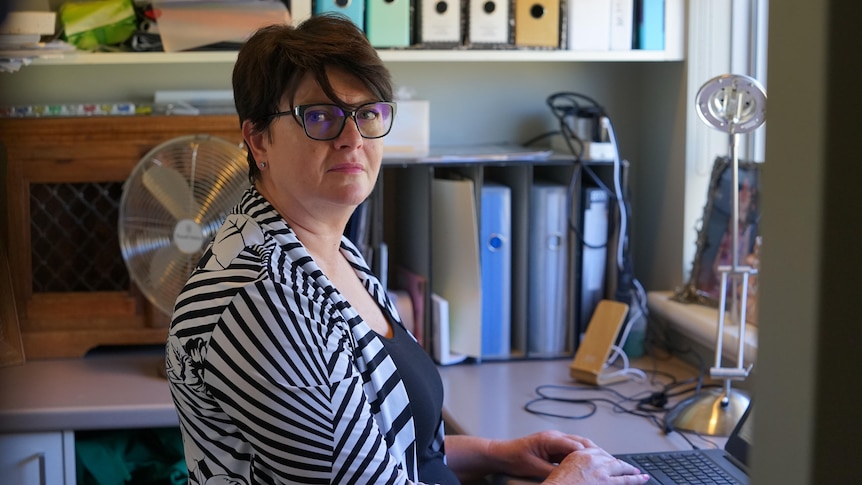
column 714, row 240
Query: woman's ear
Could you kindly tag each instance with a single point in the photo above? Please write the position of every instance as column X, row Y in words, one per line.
column 257, row 141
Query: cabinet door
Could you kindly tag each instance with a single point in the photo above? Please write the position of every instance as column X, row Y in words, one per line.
column 38, row 458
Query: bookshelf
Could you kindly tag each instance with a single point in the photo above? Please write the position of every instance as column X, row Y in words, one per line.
column 476, row 97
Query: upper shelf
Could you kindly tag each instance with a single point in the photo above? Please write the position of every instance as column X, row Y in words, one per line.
column 405, row 55
column 674, row 51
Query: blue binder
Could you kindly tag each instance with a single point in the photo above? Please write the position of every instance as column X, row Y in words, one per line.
column 387, row 23
column 547, row 272
column 352, row 9
column 495, row 260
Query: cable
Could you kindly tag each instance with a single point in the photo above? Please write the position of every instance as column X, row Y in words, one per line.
column 653, row 405
column 568, row 107
column 625, row 370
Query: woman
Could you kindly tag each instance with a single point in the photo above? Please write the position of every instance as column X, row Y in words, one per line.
column 287, row 361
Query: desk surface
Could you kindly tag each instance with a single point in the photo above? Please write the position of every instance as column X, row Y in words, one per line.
column 112, row 391
column 488, row 400
column 125, row 390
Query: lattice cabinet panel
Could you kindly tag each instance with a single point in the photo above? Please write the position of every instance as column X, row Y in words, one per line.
column 62, row 185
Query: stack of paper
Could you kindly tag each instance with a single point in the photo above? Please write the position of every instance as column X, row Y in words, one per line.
column 21, row 36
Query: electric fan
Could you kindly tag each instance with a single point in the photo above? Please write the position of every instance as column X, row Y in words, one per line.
column 172, row 204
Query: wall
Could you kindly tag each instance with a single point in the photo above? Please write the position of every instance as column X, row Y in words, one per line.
column 472, row 102
column 808, row 425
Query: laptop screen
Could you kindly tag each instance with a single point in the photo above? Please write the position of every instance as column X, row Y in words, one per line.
column 742, row 438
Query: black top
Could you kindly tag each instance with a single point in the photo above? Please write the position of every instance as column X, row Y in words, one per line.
column 425, row 390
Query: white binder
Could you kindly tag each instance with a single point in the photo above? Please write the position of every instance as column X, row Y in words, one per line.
column 589, row 26
column 622, row 24
column 595, row 252
column 547, row 274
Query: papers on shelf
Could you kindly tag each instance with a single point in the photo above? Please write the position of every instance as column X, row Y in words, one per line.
column 482, row 153
column 13, row 56
column 187, row 25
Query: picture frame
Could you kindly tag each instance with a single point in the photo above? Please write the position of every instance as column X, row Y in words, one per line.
column 714, row 235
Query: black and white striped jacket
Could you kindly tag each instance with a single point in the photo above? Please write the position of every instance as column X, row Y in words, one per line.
column 276, row 379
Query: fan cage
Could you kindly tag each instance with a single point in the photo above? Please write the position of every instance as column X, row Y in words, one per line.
column 204, row 180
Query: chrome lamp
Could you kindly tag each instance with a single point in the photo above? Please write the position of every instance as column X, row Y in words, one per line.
column 734, row 104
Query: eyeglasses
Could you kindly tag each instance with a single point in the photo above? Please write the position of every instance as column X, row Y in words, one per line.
column 326, row 121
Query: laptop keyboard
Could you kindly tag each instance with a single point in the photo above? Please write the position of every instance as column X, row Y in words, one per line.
column 684, row 468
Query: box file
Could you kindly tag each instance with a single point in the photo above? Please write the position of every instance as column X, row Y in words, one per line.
column 352, row 9
column 547, row 272
column 387, row 23
column 537, row 23
column 488, row 21
column 594, row 255
column 439, row 22
column 589, row 25
column 495, row 259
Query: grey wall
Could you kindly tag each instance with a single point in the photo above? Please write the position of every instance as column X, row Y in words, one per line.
column 809, row 398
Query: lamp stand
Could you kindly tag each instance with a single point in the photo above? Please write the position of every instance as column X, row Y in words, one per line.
column 735, row 104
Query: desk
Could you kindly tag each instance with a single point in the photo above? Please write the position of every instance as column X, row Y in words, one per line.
column 488, row 400
column 116, row 390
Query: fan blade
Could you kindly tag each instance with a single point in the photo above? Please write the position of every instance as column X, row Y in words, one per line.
column 171, row 190
column 162, row 261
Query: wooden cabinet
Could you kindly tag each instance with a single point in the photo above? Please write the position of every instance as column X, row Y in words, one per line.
column 46, row 458
column 63, row 180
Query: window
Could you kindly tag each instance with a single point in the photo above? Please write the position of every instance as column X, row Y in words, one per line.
column 724, row 37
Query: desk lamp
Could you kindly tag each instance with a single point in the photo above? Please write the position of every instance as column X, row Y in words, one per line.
column 734, row 104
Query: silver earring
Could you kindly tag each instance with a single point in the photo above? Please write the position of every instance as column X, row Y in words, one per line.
column 262, row 164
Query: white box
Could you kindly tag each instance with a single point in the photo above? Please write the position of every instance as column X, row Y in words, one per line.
column 29, row 22
column 411, row 133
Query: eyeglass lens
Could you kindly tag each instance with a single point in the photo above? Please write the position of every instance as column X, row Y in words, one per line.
column 326, row 121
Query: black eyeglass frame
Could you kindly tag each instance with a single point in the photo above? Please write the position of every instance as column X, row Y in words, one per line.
column 298, row 114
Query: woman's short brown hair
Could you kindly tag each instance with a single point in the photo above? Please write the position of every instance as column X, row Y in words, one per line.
column 276, row 58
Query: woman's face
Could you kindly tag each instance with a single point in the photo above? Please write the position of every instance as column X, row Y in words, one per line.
column 305, row 177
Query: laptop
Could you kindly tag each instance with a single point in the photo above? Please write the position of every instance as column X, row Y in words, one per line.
column 727, row 466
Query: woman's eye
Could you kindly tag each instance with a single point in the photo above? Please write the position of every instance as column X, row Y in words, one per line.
column 367, row 114
column 316, row 116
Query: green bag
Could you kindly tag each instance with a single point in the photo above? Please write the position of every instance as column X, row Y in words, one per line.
column 88, row 24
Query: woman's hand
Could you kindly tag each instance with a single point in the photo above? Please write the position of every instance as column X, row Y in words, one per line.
column 580, row 460
column 593, row 465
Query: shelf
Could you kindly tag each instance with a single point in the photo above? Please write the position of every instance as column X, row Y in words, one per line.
column 394, row 55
